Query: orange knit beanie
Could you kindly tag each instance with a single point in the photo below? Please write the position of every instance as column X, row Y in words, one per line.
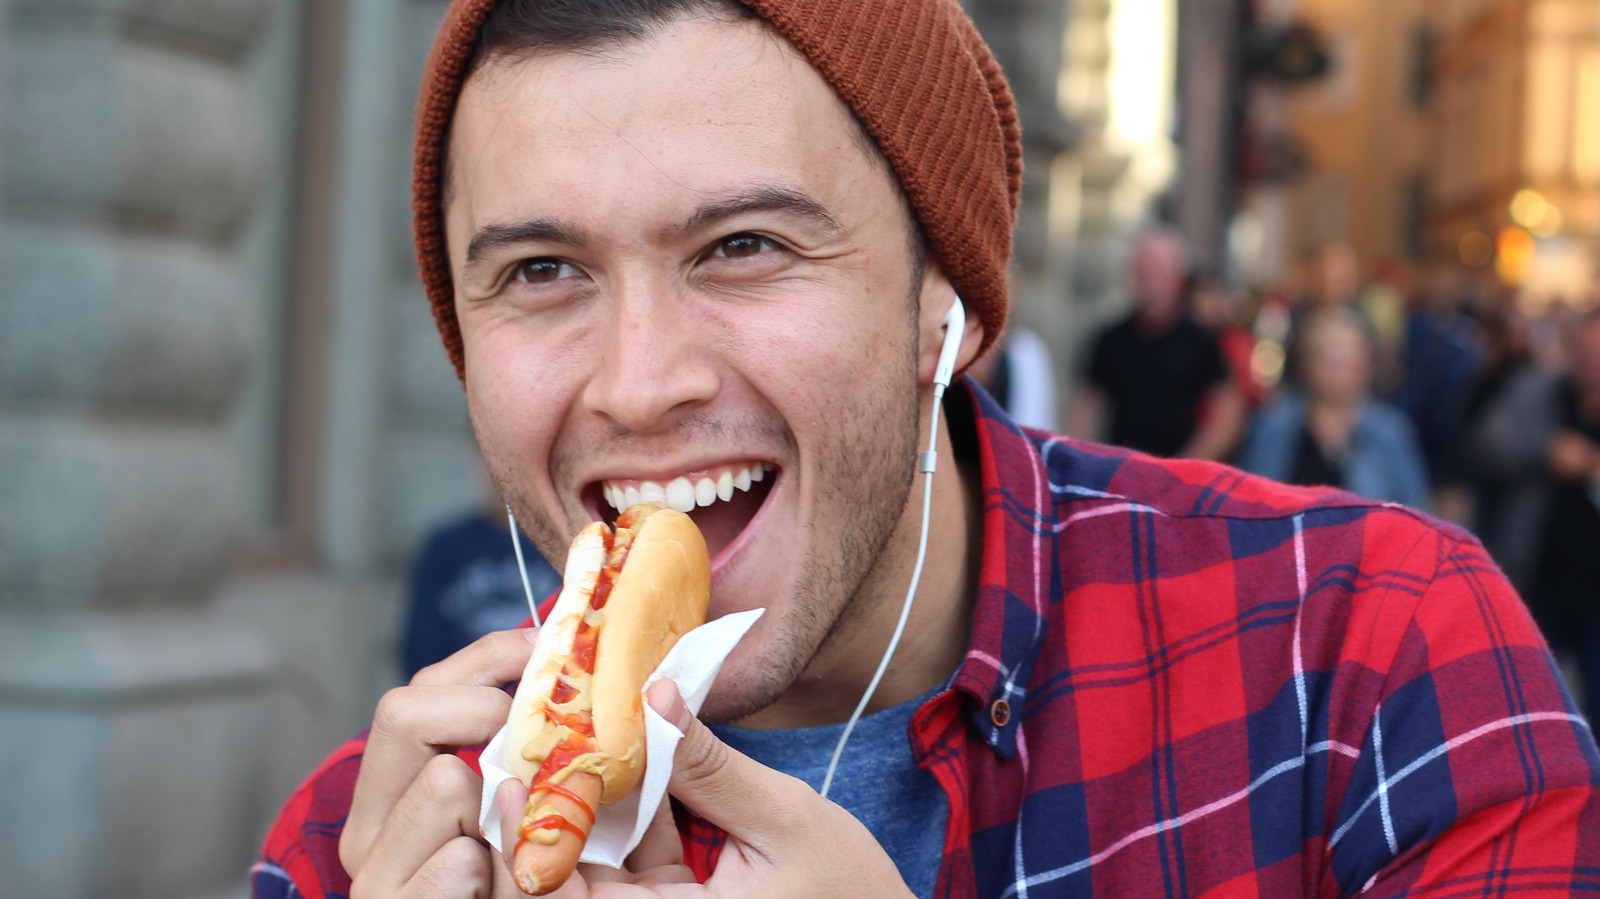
column 914, row 72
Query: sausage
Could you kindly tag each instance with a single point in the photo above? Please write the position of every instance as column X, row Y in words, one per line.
column 556, row 824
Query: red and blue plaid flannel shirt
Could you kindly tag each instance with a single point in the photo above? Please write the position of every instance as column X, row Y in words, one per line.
column 1186, row 681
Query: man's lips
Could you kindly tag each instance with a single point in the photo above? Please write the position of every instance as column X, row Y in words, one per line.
column 723, row 500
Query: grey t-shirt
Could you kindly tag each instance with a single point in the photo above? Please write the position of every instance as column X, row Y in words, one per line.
column 877, row 781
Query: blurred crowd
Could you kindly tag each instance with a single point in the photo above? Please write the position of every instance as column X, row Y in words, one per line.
column 1436, row 390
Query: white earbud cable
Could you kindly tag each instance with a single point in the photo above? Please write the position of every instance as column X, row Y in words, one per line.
column 522, row 566
column 955, row 324
column 911, row 592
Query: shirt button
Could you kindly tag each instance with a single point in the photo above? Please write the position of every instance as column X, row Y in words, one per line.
column 1000, row 712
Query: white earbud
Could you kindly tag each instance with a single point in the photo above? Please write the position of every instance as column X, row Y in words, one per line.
column 955, row 323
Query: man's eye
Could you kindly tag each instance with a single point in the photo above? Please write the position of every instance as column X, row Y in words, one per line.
column 542, row 271
column 740, row 245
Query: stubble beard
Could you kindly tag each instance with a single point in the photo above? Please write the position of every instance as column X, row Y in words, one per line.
column 865, row 475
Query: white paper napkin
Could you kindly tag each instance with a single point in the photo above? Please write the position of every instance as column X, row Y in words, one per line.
column 692, row 664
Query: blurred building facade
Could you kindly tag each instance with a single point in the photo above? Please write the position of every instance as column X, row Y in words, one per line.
column 1339, row 158
column 1444, row 134
column 225, row 418
column 1117, row 90
column 1514, row 135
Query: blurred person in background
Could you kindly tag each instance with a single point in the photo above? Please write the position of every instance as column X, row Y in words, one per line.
column 1336, row 281
column 1331, row 430
column 1441, row 359
column 1536, row 444
column 465, row 583
column 1506, row 352
column 1566, row 589
column 1337, row 278
column 1223, row 311
column 1498, row 479
column 1150, row 373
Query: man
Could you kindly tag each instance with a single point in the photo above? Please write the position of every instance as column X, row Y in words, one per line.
column 1567, row 589
column 1152, row 372
column 674, row 240
column 1539, row 439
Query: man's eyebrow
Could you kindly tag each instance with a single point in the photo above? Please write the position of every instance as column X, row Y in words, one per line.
column 491, row 237
column 766, row 199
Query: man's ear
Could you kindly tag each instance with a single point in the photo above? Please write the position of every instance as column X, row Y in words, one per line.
column 937, row 296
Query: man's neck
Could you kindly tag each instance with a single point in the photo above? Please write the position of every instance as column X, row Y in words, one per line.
column 1331, row 420
column 1156, row 323
column 935, row 638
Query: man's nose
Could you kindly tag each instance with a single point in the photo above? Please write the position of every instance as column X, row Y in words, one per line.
column 654, row 363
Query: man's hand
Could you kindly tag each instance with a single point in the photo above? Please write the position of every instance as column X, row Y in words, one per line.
column 783, row 839
column 1572, row 457
column 413, row 825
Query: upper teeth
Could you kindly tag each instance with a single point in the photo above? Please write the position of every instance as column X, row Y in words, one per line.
column 684, row 494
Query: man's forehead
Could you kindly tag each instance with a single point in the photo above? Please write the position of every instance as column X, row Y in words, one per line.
column 712, row 53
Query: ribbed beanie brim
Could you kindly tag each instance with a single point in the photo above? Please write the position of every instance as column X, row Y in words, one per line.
column 914, row 72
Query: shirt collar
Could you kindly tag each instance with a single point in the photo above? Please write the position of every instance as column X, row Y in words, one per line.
column 1020, row 548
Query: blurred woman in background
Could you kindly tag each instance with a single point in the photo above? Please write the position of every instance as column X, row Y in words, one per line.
column 1330, row 429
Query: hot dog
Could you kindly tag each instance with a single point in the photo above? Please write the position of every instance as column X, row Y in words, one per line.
column 576, row 731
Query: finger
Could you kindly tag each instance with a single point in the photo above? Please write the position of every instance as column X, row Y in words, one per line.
column 752, row 802
column 489, row 661
column 666, row 874
column 429, row 818
column 411, row 726
column 642, row 888
column 459, row 870
column 510, row 798
column 661, row 844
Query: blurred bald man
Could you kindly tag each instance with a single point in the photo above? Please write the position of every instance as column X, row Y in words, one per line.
column 1149, row 373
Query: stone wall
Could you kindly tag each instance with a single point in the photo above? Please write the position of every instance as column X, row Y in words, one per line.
column 167, row 674
column 132, row 717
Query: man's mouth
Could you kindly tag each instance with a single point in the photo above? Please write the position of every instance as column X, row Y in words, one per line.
column 722, row 500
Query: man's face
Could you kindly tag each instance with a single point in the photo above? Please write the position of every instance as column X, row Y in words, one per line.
column 1339, row 365
column 676, row 269
column 1158, row 275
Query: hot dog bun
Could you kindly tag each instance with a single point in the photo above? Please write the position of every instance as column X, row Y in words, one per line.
column 660, row 595
column 576, row 731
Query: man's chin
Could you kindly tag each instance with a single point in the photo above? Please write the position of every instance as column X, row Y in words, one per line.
column 739, row 694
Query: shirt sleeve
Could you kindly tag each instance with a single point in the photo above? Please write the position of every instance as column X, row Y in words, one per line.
column 268, row 881
column 300, row 857
column 1473, row 772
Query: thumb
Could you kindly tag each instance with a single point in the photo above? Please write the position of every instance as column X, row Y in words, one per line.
column 752, row 802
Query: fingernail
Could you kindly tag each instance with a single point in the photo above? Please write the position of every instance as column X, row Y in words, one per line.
column 665, row 699
column 502, row 798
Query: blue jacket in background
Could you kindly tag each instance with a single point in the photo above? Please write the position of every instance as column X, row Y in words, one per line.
column 1385, row 459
